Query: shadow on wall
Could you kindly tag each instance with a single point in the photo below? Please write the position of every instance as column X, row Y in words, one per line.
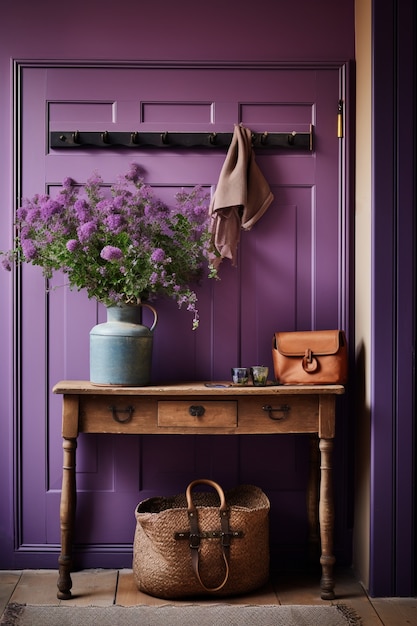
column 362, row 461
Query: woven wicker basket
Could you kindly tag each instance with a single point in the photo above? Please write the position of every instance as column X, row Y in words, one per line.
column 164, row 564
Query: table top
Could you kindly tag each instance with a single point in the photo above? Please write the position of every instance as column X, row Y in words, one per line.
column 195, row 388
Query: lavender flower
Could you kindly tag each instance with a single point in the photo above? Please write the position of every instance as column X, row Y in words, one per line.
column 71, row 245
column 119, row 244
column 134, row 173
column 158, row 255
column 28, row 249
column 6, row 262
column 104, row 206
column 114, row 222
column 49, row 209
column 85, row 231
column 33, row 215
column 119, row 201
column 67, row 183
column 111, row 253
column 81, row 209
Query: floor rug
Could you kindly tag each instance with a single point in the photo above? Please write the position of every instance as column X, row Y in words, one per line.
column 186, row 615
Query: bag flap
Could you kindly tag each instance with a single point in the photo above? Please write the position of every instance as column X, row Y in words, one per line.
column 320, row 342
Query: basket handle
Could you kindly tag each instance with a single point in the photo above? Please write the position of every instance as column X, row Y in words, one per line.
column 210, row 483
column 195, row 531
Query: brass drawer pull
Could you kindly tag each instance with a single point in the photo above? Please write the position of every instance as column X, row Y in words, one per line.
column 115, row 413
column 196, row 410
column 284, row 409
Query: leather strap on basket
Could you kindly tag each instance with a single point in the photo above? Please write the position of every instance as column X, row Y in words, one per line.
column 310, row 363
column 195, row 531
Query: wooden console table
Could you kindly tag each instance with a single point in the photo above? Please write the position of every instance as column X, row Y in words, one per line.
column 212, row 408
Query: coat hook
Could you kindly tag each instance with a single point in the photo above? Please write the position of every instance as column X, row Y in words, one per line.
column 76, row 137
column 164, row 137
column 105, row 137
column 213, row 138
column 134, row 137
column 291, row 138
column 264, row 138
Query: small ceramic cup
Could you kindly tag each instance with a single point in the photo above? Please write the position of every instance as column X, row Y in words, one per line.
column 259, row 374
column 240, row 375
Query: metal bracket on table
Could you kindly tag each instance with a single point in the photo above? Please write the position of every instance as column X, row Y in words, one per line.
column 282, row 410
column 115, row 414
column 196, row 410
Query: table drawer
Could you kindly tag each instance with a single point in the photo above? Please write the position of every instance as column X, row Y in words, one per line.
column 189, row 413
column 117, row 414
column 286, row 414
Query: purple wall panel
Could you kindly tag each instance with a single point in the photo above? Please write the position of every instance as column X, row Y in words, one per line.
column 176, row 112
column 268, row 274
column 209, row 353
column 33, row 404
column 273, row 287
column 76, row 112
column 299, row 117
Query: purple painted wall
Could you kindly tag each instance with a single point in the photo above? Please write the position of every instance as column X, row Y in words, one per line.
column 91, row 31
column 242, row 31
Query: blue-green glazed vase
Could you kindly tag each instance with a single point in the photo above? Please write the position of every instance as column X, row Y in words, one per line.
column 121, row 347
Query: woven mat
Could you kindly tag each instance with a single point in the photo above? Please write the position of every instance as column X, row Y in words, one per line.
column 187, row 615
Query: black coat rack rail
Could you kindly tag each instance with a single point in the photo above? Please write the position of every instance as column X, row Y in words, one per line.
column 79, row 139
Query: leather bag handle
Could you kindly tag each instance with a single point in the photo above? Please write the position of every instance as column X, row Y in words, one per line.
column 195, row 531
column 210, row 483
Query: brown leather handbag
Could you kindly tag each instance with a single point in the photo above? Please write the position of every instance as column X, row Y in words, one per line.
column 310, row 357
column 203, row 543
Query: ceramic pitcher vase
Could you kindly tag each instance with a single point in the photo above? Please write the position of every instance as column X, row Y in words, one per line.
column 121, row 347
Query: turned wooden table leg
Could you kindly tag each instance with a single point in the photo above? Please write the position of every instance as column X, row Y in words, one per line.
column 67, row 516
column 326, row 516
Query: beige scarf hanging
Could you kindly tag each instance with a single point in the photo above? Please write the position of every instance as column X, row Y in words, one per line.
column 241, row 198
